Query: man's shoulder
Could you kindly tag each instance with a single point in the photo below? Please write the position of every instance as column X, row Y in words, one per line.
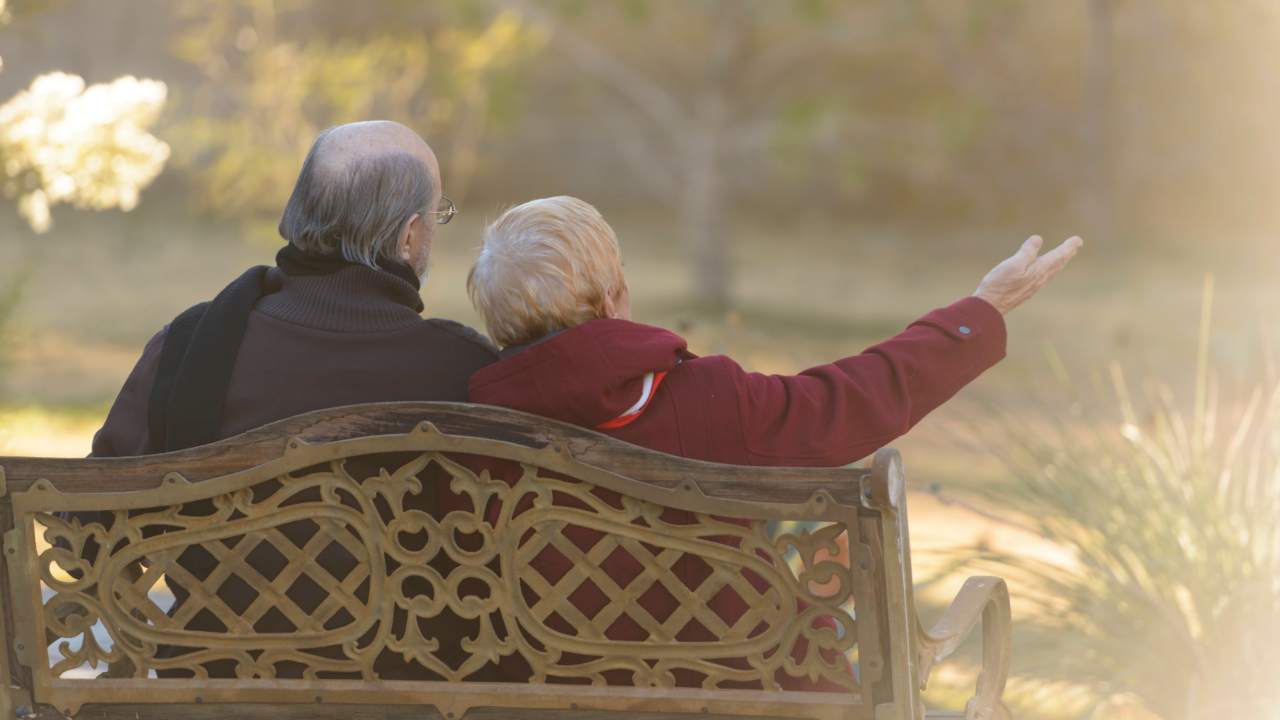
column 464, row 333
column 184, row 323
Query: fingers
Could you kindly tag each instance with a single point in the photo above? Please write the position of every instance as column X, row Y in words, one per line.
column 1011, row 282
column 1029, row 250
column 1051, row 262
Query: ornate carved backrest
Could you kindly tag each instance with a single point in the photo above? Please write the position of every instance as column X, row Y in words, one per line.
column 337, row 556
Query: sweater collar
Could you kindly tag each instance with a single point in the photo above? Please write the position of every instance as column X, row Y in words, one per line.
column 353, row 299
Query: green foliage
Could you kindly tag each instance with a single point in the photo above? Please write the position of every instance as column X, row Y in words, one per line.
column 815, row 10
column 637, row 10
column 1170, row 521
column 62, row 141
column 267, row 92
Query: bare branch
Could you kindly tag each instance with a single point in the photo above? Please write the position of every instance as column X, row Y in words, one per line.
column 639, row 90
column 657, row 177
column 776, row 65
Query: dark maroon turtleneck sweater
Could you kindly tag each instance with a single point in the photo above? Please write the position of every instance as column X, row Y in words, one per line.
column 319, row 342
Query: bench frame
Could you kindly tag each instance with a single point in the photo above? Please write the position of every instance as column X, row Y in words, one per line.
column 897, row 652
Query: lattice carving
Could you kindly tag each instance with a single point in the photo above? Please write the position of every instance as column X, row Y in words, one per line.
column 321, row 574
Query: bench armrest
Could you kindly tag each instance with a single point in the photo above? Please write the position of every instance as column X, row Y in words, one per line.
column 984, row 599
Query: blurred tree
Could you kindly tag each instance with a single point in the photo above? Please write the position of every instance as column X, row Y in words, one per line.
column 1093, row 123
column 722, row 105
column 88, row 146
column 742, row 75
column 268, row 88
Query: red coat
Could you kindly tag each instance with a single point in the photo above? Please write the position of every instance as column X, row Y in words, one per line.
column 641, row 384
column 709, row 408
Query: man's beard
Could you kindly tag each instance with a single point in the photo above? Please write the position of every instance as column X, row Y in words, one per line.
column 422, row 268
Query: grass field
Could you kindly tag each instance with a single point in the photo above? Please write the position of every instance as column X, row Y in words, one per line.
column 98, row 286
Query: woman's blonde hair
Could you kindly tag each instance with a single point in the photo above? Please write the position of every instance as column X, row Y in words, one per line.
column 546, row 265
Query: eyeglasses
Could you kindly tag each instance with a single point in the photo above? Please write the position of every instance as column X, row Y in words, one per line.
column 446, row 211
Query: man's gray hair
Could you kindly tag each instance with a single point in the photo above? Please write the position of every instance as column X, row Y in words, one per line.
column 358, row 210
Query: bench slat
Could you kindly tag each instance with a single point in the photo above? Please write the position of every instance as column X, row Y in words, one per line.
column 246, row 711
column 788, row 485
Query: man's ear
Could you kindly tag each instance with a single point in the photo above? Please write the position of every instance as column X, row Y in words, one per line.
column 404, row 242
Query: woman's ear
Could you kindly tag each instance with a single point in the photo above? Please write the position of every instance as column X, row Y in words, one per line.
column 610, row 307
column 617, row 304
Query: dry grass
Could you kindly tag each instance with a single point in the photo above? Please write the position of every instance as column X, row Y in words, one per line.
column 1169, row 510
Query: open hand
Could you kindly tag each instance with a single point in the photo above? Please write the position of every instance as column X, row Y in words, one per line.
column 1015, row 280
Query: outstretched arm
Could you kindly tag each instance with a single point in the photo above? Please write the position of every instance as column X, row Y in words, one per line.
column 837, row 413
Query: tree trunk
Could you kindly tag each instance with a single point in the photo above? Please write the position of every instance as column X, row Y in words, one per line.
column 706, row 191
column 704, row 209
column 1097, row 176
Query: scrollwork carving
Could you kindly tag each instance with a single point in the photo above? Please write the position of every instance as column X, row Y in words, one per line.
column 646, row 597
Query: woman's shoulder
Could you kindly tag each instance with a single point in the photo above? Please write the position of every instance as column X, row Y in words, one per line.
column 716, row 380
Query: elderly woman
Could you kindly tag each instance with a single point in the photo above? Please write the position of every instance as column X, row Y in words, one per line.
column 550, row 286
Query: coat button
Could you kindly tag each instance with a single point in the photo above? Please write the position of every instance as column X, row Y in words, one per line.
column 965, row 330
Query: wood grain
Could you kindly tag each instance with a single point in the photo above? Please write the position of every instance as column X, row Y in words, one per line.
column 787, row 485
column 262, row 711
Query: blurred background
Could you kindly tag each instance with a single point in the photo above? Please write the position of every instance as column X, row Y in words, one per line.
column 791, row 181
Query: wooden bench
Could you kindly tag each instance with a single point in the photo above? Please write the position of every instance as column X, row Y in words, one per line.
column 819, row 556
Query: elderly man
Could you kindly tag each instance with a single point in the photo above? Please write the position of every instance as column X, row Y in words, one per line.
column 336, row 322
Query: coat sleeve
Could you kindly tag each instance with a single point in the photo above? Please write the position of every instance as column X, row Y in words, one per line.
column 125, row 431
column 838, row 413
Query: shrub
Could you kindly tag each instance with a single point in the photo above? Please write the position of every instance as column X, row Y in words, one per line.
column 1172, row 520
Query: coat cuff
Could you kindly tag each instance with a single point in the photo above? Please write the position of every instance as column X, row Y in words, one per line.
column 976, row 323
